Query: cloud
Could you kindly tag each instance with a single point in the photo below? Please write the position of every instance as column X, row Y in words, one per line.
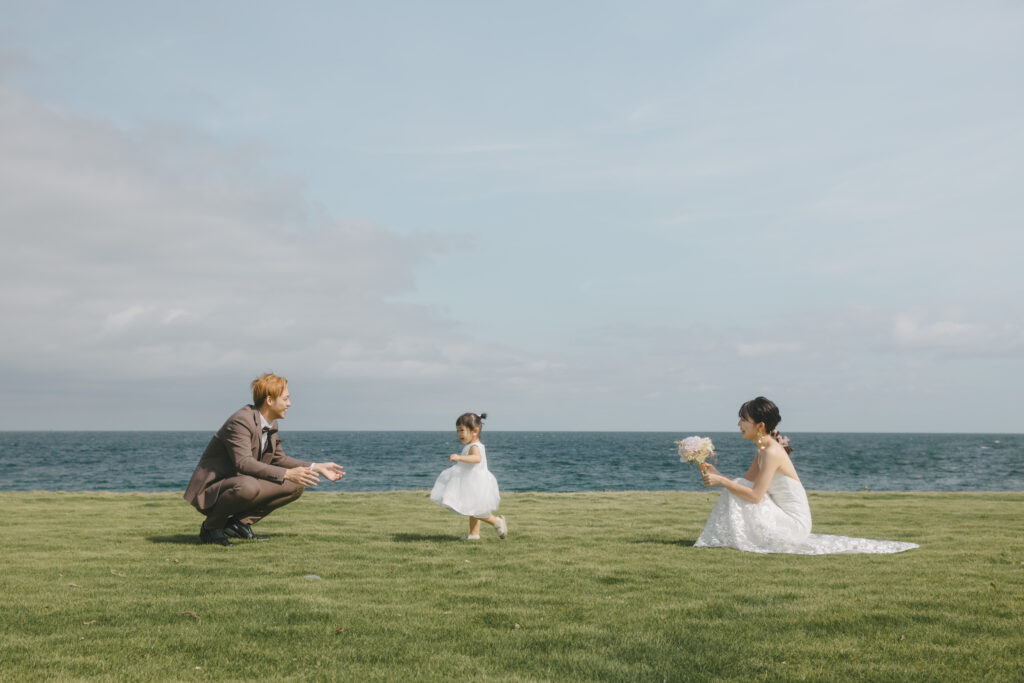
column 767, row 348
column 160, row 253
column 156, row 257
column 920, row 332
column 470, row 149
column 12, row 61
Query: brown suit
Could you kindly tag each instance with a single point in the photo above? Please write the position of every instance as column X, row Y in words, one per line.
column 234, row 478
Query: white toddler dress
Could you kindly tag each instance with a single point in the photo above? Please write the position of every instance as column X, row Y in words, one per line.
column 468, row 488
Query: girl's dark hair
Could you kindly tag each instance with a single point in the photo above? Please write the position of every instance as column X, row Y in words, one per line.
column 761, row 409
column 471, row 420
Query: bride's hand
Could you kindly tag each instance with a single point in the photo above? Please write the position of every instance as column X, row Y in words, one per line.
column 454, row 457
column 711, row 476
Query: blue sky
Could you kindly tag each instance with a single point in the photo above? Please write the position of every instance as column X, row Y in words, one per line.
column 572, row 216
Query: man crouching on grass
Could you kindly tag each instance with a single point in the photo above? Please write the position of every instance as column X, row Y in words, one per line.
column 244, row 474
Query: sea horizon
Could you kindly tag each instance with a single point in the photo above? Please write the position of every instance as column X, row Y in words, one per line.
column 682, row 433
column 534, row 460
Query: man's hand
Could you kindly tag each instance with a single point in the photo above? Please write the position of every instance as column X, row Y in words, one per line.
column 331, row 470
column 303, row 476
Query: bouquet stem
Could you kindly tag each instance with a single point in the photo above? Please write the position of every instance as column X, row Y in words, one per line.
column 703, row 473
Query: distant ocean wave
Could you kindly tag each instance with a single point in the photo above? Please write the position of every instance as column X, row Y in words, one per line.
column 522, row 461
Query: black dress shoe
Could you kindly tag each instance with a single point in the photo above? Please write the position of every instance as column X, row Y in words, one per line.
column 236, row 529
column 213, row 536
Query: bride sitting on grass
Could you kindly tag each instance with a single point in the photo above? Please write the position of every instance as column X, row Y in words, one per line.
column 766, row 511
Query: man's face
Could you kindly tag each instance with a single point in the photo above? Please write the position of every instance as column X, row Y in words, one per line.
column 277, row 407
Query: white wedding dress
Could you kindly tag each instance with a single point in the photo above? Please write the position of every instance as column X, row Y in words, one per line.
column 780, row 523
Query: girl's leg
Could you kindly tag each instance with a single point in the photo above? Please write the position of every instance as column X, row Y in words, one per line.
column 499, row 524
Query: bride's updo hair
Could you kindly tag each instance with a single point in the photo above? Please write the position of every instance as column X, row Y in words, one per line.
column 471, row 420
column 761, row 409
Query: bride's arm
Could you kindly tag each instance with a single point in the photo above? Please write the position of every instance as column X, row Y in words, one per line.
column 762, row 479
column 751, row 474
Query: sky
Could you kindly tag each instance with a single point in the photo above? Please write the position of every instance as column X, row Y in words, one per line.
column 572, row 216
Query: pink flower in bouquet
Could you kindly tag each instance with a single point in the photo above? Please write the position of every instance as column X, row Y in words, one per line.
column 695, row 449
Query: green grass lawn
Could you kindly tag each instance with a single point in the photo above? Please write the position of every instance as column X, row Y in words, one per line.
column 587, row 586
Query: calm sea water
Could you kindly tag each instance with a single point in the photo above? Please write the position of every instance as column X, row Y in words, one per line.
column 522, row 461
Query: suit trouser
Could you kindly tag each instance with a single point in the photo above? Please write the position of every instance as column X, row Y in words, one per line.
column 247, row 499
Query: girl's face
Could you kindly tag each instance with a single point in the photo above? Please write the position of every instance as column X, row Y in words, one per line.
column 749, row 429
column 466, row 435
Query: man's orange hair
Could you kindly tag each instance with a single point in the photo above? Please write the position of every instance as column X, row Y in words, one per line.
column 267, row 386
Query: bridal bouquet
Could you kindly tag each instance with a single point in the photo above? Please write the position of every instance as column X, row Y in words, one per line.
column 696, row 449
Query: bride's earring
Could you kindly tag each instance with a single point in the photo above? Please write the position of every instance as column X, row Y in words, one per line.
column 762, row 441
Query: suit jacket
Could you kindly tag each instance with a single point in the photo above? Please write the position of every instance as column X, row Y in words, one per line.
column 234, row 450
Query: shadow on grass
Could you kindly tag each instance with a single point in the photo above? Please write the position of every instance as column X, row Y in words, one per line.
column 182, row 539
column 681, row 542
column 419, row 538
column 193, row 539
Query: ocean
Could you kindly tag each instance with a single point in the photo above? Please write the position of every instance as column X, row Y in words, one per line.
column 522, row 461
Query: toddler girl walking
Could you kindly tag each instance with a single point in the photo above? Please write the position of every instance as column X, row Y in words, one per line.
column 468, row 487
